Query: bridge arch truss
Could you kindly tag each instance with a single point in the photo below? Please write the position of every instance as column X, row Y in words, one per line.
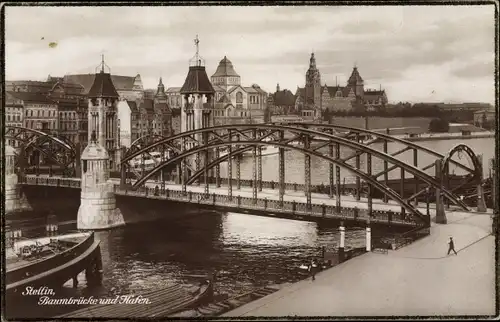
column 37, row 148
column 195, row 154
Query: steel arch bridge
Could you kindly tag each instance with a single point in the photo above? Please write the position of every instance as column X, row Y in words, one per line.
column 203, row 147
column 38, row 148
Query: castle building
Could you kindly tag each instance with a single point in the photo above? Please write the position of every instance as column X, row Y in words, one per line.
column 314, row 98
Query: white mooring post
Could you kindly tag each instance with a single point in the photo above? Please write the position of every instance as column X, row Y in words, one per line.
column 342, row 242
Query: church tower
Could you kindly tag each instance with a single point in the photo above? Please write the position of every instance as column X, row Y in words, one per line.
column 356, row 83
column 162, row 123
column 103, row 114
column 313, row 85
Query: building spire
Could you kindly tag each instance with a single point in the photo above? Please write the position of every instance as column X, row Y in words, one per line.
column 102, row 65
column 312, row 61
column 197, row 60
column 197, row 44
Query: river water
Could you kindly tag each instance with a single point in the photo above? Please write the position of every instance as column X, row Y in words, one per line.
column 294, row 161
column 246, row 251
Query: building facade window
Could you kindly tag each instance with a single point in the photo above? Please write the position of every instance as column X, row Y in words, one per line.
column 239, row 97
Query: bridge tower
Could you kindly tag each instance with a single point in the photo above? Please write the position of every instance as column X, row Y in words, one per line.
column 103, row 114
column 97, row 202
column 198, row 96
column 197, row 103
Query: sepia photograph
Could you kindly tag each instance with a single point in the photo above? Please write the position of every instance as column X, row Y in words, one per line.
column 230, row 160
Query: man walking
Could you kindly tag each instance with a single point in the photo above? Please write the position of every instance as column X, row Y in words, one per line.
column 312, row 269
column 452, row 246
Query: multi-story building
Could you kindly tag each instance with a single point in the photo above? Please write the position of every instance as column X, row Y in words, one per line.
column 281, row 102
column 162, row 119
column 314, row 98
column 128, row 87
column 39, row 111
column 174, row 98
column 234, row 103
column 128, row 121
column 30, row 86
column 72, row 110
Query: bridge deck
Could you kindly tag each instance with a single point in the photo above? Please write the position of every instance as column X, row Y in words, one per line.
column 266, row 202
column 419, row 279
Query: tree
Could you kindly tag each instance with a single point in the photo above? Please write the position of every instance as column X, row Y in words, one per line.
column 439, row 125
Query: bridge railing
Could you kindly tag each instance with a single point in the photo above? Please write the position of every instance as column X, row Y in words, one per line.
column 50, row 181
column 269, row 205
column 262, row 204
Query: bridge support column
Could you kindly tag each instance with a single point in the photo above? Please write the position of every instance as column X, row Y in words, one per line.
column 337, row 177
column 358, row 165
column 238, row 172
column 97, row 204
column 230, row 169
column 440, row 213
column 330, row 173
column 259, row 174
column 386, row 175
column 415, row 164
column 342, row 242
column 281, row 172
column 369, row 187
column 481, row 202
column 217, row 168
column 307, row 173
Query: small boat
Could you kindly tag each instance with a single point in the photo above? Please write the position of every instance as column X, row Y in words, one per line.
column 160, row 303
column 228, row 304
column 56, row 259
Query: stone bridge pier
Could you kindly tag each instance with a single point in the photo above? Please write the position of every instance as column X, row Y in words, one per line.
column 97, row 203
column 14, row 200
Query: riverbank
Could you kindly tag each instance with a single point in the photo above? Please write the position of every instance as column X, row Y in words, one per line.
column 419, row 279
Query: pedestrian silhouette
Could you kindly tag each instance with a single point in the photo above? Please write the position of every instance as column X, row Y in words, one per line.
column 452, row 246
column 312, row 269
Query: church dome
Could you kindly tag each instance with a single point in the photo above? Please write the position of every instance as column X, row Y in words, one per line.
column 225, row 68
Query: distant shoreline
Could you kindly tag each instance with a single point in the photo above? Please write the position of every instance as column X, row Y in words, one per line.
column 447, row 136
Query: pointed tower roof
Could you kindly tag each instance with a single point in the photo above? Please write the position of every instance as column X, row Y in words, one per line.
column 197, row 79
column 161, row 89
column 225, row 68
column 312, row 61
column 103, row 85
column 355, row 77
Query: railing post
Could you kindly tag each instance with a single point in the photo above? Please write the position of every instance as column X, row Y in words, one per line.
column 239, row 201
column 190, row 195
column 167, row 192
column 213, row 196
column 368, row 236
column 265, row 203
column 294, row 206
column 323, row 210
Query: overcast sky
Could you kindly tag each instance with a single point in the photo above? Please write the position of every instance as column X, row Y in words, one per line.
column 426, row 53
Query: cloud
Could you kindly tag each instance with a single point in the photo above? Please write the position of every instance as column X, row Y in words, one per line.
column 475, row 70
column 267, row 45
